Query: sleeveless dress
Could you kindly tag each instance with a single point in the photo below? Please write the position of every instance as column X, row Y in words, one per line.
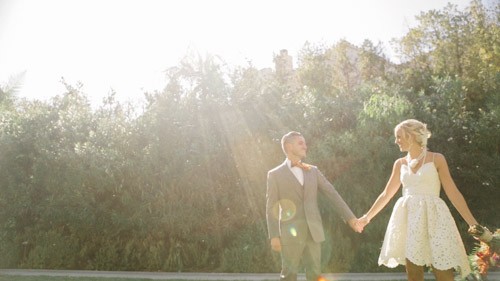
column 421, row 228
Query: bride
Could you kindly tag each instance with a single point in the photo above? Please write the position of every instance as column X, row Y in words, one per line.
column 421, row 231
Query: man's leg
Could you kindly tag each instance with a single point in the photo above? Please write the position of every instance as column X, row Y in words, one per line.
column 312, row 260
column 290, row 260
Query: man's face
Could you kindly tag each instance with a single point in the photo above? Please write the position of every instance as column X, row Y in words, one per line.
column 297, row 147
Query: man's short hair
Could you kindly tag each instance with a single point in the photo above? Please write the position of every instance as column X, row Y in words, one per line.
column 288, row 137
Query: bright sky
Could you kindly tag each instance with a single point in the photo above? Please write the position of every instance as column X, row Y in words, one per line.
column 125, row 45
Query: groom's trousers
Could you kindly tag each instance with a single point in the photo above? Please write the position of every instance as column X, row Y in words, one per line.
column 309, row 252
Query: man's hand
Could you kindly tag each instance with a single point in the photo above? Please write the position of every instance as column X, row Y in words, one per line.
column 363, row 221
column 276, row 244
column 356, row 225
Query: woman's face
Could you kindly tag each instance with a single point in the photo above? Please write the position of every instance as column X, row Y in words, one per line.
column 402, row 140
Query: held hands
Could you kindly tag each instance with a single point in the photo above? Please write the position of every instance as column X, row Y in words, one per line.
column 359, row 224
column 363, row 221
column 356, row 225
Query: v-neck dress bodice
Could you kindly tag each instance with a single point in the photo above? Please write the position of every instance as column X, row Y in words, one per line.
column 425, row 181
column 421, row 228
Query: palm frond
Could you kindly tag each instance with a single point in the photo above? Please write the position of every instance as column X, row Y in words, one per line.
column 13, row 85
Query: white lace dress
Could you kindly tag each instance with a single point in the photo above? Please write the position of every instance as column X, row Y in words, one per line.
column 421, row 228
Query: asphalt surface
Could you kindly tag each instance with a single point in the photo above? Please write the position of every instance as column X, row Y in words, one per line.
column 493, row 276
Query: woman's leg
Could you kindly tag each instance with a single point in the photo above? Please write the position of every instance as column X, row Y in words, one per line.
column 414, row 272
column 443, row 275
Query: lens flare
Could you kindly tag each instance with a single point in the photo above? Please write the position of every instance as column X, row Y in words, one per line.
column 293, row 231
column 285, row 210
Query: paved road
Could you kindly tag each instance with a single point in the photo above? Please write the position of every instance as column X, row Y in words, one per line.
column 494, row 276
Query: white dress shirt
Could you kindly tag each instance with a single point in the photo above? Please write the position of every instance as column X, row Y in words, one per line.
column 297, row 171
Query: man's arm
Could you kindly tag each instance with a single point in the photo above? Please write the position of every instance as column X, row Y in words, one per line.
column 339, row 204
column 272, row 210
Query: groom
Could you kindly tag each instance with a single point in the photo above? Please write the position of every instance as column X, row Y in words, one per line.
column 293, row 218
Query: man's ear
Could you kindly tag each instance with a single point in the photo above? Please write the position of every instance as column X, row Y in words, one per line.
column 287, row 147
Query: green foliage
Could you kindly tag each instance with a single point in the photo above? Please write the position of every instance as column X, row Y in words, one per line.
column 180, row 185
column 249, row 252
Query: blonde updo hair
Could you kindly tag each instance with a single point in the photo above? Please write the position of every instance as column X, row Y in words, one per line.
column 416, row 129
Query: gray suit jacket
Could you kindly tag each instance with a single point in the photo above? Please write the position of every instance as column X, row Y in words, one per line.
column 292, row 209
